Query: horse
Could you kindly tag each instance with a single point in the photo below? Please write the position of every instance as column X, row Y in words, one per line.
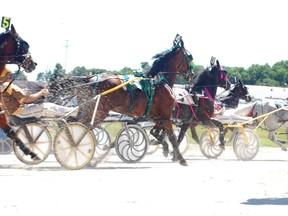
column 202, row 110
column 15, row 50
column 155, row 103
column 273, row 122
column 231, row 101
column 224, row 103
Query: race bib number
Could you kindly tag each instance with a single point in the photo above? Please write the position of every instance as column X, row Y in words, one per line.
column 6, row 22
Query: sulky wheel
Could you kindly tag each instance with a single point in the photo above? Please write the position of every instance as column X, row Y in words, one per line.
column 153, row 142
column 131, row 143
column 209, row 143
column 74, row 146
column 6, row 144
column 37, row 138
column 103, row 144
column 246, row 144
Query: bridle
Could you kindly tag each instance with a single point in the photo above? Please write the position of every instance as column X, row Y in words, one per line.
column 224, row 77
column 187, row 59
column 21, row 56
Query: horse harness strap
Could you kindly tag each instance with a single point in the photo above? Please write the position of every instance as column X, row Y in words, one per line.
column 144, row 85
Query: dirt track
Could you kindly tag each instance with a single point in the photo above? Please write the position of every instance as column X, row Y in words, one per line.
column 156, row 186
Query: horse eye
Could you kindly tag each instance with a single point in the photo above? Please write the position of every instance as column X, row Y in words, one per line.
column 24, row 47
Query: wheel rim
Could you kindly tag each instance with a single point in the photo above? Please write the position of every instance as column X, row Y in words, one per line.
column 78, row 154
column 209, row 143
column 41, row 143
column 132, row 146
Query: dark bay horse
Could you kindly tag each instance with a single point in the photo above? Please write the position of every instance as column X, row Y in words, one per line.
column 202, row 111
column 156, row 103
column 231, row 101
column 239, row 91
column 14, row 50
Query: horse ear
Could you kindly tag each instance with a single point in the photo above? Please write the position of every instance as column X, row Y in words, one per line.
column 218, row 64
column 177, row 40
column 13, row 30
column 240, row 82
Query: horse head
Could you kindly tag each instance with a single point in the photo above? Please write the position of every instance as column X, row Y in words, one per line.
column 221, row 76
column 186, row 64
column 15, row 50
column 241, row 91
column 175, row 60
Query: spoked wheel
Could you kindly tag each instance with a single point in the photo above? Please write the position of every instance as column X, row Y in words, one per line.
column 6, row 144
column 37, row 138
column 74, row 146
column 154, row 145
column 131, row 143
column 103, row 143
column 209, row 143
column 153, row 142
column 246, row 144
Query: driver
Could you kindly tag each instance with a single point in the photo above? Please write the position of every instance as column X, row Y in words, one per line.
column 18, row 103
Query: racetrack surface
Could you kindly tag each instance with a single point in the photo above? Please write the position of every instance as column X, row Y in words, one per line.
column 154, row 186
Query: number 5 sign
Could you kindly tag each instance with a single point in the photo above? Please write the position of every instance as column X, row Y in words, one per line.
column 6, row 22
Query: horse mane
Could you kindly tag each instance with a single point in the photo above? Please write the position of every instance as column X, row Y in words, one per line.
column 159, row 62
column 200, row 80
column 3, row 35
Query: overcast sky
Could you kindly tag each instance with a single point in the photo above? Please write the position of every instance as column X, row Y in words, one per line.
column 112, row 34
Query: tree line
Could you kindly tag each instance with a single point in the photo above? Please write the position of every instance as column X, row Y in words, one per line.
column 264, row 75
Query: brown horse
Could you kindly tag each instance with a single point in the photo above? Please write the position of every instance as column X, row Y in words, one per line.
column 156, row 103
column 14, row 50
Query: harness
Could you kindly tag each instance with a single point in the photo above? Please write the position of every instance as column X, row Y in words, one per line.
column 147, row 86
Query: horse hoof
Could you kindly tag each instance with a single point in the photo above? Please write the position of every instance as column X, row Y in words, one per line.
column 222, row 146
column 174, row 159
column 165, row 153
column 36, row 158
column 283, row 148
column 183, row 162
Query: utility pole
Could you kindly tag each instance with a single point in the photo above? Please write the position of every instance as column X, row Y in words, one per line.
column 66, row 53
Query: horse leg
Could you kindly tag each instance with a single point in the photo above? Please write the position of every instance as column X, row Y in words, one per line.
column 222, row 133
column 12, row 135
column 280, row 143
column 182, row 132
column 194, row 134
column 181, row 135
column 155, row 131
column 175, row 143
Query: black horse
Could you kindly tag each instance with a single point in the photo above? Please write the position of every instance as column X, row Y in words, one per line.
column 204, row 92
column 239, row 91
column 231, row 101
column 198, row 109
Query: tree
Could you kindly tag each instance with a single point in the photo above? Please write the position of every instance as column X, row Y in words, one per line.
column 80, row 71
column 19, row 75
column 58, row 72
column 145, row 66
column 127, row 70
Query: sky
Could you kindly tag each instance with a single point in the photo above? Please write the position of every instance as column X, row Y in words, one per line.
column 113, row 34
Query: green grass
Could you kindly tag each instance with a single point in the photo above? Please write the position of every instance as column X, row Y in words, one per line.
column 113, row 129
column 264, row 141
